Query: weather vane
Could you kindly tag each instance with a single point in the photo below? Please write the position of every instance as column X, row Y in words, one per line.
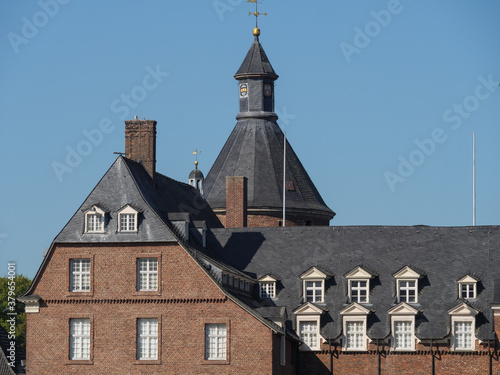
column 196, row 152
column 256, row 13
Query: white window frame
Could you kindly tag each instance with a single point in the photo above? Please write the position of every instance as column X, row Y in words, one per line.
column 147, row 339
column 308, row 313
column 406, row 289
column 313, row 275
column 403, row 276
column 471, row 284
column 358, row 275
column 402, row 313
column 350, row 314
column 130, row 213
column 360, row 331
column 79, row 339
column 148, row 274
column 216, row 337
column 77, row 283
column 463, row 313
column 267, row 287
column 95, row 212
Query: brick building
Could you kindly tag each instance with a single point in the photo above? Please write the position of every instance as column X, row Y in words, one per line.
column 151, row 276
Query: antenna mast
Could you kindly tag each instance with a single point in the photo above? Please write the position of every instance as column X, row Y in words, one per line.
column 473, row 178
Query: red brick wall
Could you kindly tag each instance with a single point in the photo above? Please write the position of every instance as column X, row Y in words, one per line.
column 188, row 300
column 140, row 143
column 419, row 362
column 236, row 202
column 270, row 220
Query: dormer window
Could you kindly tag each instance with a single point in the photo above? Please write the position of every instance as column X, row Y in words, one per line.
column 407, row 285
column 354, row 319
column 358, row 285
column 467, row 287
column 402, row 327
column 313, row 284
column 267, row 287
column 127, row 219
column 463, row 326
column 308, row 326
column 94, row 220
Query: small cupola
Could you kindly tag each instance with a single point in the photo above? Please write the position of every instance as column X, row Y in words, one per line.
column 196, row 177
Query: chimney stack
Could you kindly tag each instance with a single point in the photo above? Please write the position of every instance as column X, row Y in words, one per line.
column 236, row 202
column 140, row 143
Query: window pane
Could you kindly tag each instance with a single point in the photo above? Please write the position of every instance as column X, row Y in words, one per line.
column 355, row 335
column 147, row 340
column 463, row 335
column 215, row 341
column 80, row 275
column 309, row 333
column 79, row 339
column 147, row 274
column 403, row 335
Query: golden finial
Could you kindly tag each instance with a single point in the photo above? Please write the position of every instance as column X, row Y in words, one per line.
column 256, row 30
column 196, row 152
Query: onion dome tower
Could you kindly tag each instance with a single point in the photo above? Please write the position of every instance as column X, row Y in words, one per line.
column 255, row 150
column 196, row 177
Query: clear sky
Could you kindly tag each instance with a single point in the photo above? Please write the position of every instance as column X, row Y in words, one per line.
column 379, row 99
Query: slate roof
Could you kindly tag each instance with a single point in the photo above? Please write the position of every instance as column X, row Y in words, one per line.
column 256, row 63
column 442, row 255
column 255, row 150
column 5, row 369
column 128, row 183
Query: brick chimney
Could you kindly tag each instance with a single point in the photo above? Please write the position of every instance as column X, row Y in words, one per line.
column 140, row 143
column 236, row 202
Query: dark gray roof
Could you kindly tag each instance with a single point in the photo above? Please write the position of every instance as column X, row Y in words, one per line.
column 256, row 63
column 196, row 174
column 255, row 150
column 5, row 368
column 442, row 255
column 128, row 183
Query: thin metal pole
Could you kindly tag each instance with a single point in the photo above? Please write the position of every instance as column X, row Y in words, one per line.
column 474, row 178
column 284, row 181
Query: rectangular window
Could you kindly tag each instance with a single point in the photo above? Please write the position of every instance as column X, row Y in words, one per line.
column 403, row 335
column 127, row 223
column 215, row 341
column 467, row 290
column 359, row 291
column 267, row 290
column 407, row 291
column 314, row 291
column 309, row 333
column 79, row 339
column 463, row 336
column 80, row 275
column 147, row 339
column 95, row 223
column 147, row 278
column 355, row 334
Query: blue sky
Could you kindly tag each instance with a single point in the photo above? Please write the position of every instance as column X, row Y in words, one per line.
column 379, row 100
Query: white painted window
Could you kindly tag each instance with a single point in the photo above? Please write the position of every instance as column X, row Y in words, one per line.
column 80, row 275
column 355, row 335
column 215, row 341
column 463, row 335
column 467, row 290
column 94, row 220
column 403, row 335
column 463, row 322
column 147, row 274
column 267, row 290
column 127, row 220
column 79, row 339
column 407, row 291
column 314, row 291
column 359, row 291
column 313, row 282
column 467, row 287
column 147, row 339
column 309, row 333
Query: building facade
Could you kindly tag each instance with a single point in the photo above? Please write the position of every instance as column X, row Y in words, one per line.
column 154, row 276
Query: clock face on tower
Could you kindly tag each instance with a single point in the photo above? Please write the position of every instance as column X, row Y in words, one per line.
column 267, row 89
column 243, row 90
